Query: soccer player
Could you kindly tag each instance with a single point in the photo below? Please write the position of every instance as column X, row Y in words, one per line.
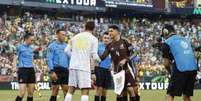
column 103, row 75
column 133, row 62
column 26, row 73
column 180, row 61
column 120, row 51
column 84, row 46
column 58, row 63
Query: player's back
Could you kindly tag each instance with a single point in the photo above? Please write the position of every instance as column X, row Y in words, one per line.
column 82, row 49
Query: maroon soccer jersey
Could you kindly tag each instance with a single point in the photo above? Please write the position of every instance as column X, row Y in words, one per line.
column 118, row 50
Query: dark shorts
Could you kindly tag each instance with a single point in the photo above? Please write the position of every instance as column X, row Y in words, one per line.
column 129, row 80
column 103, row 78
column 62, row 76
column 182, row 83
column 26, row 75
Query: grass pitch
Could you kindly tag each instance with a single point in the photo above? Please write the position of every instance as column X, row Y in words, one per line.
column 146, row 95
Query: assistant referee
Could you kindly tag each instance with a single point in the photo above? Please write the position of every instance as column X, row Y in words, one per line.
column 26, row 73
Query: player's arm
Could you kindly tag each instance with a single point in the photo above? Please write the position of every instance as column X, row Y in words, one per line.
column 166, row 57
column 167, row 64
column 68, row 49
column 50, row 58
column 15, row 58
column 94, row 51
column 105, row 53
column 50, row 63
column 130, row 52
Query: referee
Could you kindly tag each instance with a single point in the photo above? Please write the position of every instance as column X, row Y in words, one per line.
column 58, row 62
column 180, row 61
column 26, row 73
column 102, row 72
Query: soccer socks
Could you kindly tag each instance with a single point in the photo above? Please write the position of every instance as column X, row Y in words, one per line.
column 99, row 98
column 133, row 99
column 53, row 98
column 18, row 98
column 122, row 98
column 68, row 97
column 84, row 98
column 137, row 97
column 29, row 98
column 103, row 98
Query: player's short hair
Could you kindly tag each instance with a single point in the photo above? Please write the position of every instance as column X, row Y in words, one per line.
column 27, row 35
column 170, row 28
column 115, row 27
column 106, row 33
column 58, row 30
column 90, row 25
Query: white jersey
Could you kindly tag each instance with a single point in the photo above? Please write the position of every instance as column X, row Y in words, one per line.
column 84, row 46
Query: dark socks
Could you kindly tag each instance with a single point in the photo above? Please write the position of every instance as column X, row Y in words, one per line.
column 122, row 98
column 103, row 98
column 99, row 98
column 53, row 98
column 96, row 98
column 137, row 97
column 133, row 99
column 18, row 98
column 29, row 98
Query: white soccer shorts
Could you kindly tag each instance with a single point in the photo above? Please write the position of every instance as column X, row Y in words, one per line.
column 78, row 78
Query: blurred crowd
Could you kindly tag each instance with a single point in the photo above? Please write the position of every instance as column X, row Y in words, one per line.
column 142, row 33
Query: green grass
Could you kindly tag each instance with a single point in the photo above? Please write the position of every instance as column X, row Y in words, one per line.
column 146, row 95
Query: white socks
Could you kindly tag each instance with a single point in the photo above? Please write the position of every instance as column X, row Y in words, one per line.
column 68, row 97
column 84, row 98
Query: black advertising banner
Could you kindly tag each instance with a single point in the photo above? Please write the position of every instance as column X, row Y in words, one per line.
column 93, row 3
column 130, row 5
column 47, row 86
column 123, row 4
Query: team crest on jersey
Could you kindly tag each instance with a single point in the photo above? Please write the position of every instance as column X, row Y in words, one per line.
column 117, row 53
column 184, row 44
column 122, row 46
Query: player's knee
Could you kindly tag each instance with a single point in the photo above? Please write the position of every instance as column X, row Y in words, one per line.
column 21, row 93
column 186, row 98
column 71, row 90
column 85, row 91
column 131, row 91
column 99, row 90
column 55, row 91
column 65, row 89
column 169, row 98
column 104, row 92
